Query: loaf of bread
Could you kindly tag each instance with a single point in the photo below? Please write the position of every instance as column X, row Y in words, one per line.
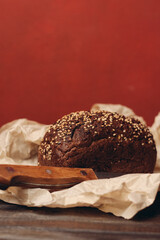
column 103, row 141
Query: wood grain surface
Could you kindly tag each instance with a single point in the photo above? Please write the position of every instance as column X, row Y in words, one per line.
column 54, row 178
column 19, row 222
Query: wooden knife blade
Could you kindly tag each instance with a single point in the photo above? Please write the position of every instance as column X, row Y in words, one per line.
column 53, row 178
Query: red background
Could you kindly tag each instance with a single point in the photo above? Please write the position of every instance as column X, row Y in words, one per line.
column 58, row 56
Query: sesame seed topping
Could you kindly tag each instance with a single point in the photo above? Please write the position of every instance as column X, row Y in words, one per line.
column 98, row 124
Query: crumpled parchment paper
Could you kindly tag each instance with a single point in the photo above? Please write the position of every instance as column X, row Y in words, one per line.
column 123, row 196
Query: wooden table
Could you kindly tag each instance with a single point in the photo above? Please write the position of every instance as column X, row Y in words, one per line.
column 19, row 222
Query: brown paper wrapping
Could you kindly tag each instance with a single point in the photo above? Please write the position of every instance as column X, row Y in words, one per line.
column 123, row 196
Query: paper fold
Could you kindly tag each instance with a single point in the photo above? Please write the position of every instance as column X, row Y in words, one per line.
column 123, row 196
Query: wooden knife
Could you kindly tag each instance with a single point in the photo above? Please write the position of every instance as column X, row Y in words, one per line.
column 52, row 178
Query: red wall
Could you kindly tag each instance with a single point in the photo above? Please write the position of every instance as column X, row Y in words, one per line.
column 58, row 56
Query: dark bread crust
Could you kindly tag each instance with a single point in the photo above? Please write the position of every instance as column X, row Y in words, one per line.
column 101, row 140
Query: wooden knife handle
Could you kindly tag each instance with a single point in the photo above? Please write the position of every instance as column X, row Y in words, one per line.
column 43, row 176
